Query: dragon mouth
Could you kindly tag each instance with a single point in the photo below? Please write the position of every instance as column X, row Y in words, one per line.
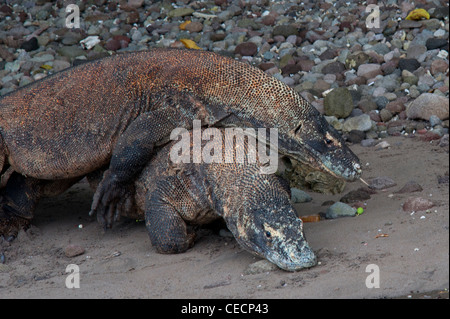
column 295, row 261
column 321, row 163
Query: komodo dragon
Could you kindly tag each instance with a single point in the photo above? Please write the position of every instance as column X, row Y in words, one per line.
column 171, row 196
column 115, row 110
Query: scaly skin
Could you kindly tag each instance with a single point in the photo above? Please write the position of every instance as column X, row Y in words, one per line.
column 116, row 110
column 255, row 206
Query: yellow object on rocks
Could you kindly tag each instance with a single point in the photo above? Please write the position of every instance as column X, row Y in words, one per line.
column 189, row 44
column 418, row 14
column 184, row 24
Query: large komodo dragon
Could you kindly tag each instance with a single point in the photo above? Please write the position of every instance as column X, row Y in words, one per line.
column 171, row 196
column 115, row 110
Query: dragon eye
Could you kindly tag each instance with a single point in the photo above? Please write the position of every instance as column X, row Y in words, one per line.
column 298, row 128
column 328, row 141
column 268, row 234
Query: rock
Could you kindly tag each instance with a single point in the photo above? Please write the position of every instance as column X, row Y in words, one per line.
column 194, row 27
column 381, row 182
column 338, row 103
column 313, row 36
column 259, row 267
column 112, row 45
column 413, row 204
column 306, row 65
column 409, row 78
column 433, row 43
column 368, row 142
column 439, row 66
column 358, row 195
column 299, row 196
column 410, row 187
column 385, row 115
column 59, row 65
column 248, row 23
column 444, row 141
column 409, row 24
column 268, row 20
column 135, row 4
column 6, row 55
column 369, row 70
column 30, row 45
column 408, row 64
column 71, row 51
column 415, row 50
column 333, row 68
column 339, row 209
column 180, row 12
column 360, row 123
column 246, row 49
column 396, row 107
column 355, row 136
column 285, row 30
column 428, row 104
column 355, row 60
column 434, row 120
column 71, row 38
column 132, row 17
column 73, row 250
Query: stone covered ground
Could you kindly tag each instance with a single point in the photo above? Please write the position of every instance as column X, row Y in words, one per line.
column 385, row 88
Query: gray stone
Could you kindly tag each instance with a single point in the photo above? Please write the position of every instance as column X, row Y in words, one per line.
column 381, row 182
column 180, row 12
column 259, row 267
column 285, row 30
column 339, row 103
column 340, row 209
column 359, row 123
column 299, row 196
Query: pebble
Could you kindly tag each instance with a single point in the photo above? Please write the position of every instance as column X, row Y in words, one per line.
column 369, row 70
column 180, row 12
column 410, row 187
column 73, row 250
column 339, row 209
column 338, row 103
column 434, row 43
column 382, row 182
column 359, row 123
column 428, row 104
column 246, row 49
column 414, row 204
column 408, row 64
column 259, row 267
column 30, row 45
column 358, row 195
column 299, row 196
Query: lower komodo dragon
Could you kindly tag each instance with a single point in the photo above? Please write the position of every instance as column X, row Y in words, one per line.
column 112, row 112
column 171, row 196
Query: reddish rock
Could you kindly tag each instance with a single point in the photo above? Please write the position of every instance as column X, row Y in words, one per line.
column 306, row 65
column 417, row 204
column 369, row 70
column 396, row 106
column 73, row 251
column 194, row 27
column 439, row 66
column 246, row 49
column 430, row 136
column 410, row 187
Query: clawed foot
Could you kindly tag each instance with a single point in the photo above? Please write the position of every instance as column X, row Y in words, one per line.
column 111, row 200
column 10, row 225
